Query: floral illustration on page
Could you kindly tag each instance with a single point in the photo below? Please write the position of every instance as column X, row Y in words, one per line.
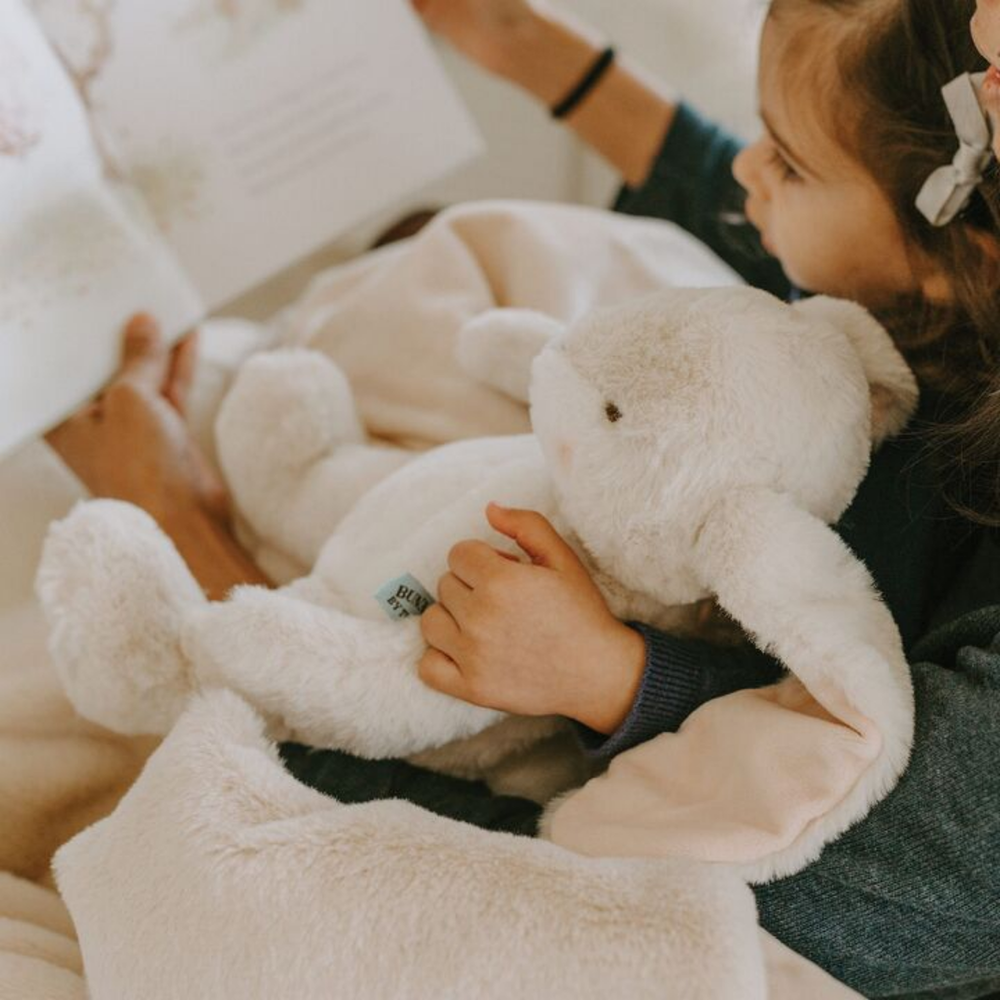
column 236, row 24
column 19, row 128
column 81, row 33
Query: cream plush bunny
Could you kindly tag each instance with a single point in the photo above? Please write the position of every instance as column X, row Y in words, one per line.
column 678, row 439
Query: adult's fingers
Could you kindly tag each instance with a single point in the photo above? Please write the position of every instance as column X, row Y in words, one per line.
column 180, row 374
column 145, row 361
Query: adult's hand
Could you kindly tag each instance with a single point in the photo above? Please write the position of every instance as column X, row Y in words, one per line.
column 132, row 443
column 545, row 51
column 481, row 30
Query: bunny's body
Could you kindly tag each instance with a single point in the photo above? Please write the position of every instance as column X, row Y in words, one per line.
column 674, row 437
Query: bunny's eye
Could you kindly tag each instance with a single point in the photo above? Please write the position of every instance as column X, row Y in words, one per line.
column 613, row 413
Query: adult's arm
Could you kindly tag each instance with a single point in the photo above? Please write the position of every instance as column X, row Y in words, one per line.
column 545, row 53
column 675, row 165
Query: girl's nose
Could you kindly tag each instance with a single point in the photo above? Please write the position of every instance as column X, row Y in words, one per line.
column 748, row 169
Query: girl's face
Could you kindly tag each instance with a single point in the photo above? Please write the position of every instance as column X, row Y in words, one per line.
column 819, row 212
column 986, row 34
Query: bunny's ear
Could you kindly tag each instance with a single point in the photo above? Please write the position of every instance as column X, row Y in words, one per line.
column 497, row 347
column 764, row 778
column 893, row 387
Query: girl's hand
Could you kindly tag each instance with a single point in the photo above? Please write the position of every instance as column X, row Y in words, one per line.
column 532, row 639
column 132, row 443
column 482, row 30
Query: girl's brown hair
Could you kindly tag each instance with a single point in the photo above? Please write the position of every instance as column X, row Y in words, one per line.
column 892, row 57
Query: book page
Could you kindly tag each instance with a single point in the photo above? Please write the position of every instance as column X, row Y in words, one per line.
column 258, row 130
column 76, row 259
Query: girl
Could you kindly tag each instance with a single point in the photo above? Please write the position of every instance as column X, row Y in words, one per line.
column 908, row 902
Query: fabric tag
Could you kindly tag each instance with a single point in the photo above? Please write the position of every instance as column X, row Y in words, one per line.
column 403, row 597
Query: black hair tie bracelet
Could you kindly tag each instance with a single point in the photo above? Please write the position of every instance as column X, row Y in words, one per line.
column 587, row 83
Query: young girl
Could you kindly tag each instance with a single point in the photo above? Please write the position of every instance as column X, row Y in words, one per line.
column 908, row 902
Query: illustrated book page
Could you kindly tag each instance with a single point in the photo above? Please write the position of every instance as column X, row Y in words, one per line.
column 259, row 130
column 77, row 256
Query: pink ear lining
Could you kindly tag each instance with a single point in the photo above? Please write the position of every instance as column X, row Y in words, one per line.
column 743, row 779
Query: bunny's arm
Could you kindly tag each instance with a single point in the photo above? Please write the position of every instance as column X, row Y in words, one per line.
column 789, row 580
column 331, row 678
column 498, row 347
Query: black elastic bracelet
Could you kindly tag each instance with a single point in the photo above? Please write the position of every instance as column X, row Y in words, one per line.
column 587, row 83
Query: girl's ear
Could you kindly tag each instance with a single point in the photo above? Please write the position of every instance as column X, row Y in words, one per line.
column 893, row 386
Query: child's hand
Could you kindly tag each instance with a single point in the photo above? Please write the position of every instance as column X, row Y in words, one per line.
column 532, row 639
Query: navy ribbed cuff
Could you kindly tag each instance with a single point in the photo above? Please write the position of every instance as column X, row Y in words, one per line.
column 671, row 689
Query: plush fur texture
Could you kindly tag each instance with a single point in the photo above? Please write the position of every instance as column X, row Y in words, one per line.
column 220, row 876
column 742, row 425
column 253, row 886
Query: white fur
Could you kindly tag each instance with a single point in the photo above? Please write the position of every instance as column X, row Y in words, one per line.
column 722, row 393
column 801, row 594
column 498, row 346
column 219, row 875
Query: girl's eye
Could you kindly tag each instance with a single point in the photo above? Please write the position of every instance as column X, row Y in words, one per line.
column 787, row 171
column 612, row 413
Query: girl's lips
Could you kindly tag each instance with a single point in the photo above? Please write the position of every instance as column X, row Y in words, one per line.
column 990, row 97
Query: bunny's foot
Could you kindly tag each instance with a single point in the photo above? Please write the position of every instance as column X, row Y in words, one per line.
column 115, row 592
column 293, row 450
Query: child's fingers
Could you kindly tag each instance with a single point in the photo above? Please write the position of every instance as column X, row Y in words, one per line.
column 440, row 631
column 471, row 561
column 441, row 673
column 534, row 534
column 454, row 596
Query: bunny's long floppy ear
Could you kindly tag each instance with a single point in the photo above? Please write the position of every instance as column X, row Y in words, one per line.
column 893, row 387
column 498, row 346
column 762, row 779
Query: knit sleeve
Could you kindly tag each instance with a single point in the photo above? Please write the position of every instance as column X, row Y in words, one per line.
column 691, row 183
column 680, row 676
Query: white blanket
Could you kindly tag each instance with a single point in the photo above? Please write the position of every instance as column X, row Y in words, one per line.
column 221, row 876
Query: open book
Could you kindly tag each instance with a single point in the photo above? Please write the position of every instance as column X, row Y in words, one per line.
column 167, row 155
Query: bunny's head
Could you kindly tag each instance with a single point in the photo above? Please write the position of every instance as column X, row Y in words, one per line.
column 652, row 412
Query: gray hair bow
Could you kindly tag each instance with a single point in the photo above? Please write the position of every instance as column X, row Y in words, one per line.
column 948, row 190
